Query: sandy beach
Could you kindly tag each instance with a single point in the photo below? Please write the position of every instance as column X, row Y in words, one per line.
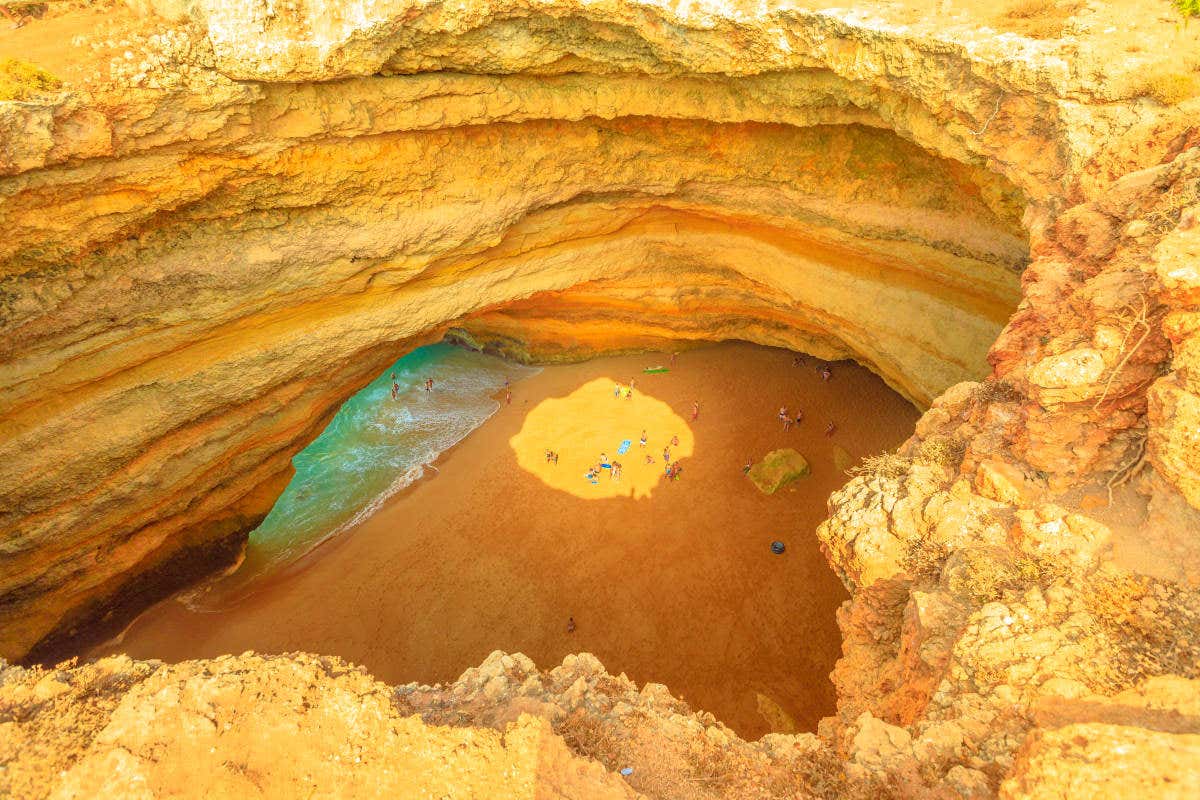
column 675, row 584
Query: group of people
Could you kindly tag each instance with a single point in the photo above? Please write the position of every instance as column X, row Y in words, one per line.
column 427, row 385
column 614, row 469
column 552, row 457
column 787, row 419
column 617, row 390
column 825, row 371
column 672, row 468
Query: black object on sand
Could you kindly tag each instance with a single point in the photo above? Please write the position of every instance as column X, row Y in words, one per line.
column 777, row 548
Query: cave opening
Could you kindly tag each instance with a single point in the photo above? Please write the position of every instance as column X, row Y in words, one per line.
column 668, row 581
column 845, row 242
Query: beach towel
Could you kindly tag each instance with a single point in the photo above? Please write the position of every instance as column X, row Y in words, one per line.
column 655, row 370
column 624, row 448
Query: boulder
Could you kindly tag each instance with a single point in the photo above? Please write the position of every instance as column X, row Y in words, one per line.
column 777, row 469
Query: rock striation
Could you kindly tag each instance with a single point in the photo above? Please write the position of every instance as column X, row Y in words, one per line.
column 209, row 248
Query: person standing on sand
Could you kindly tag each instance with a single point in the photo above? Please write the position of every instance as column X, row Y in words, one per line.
column 783, row 417
column 749, row 466
column 695, row 410
column 829, row 429
column 395, row 387
column 508, row 397
column 826, row 373
column 617, row 391
column 570, row 624
column 673, row 355
column 666, row 455
column 642, row 441
column 556, row 458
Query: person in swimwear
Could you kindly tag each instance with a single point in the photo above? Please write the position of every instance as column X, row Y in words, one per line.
column 642, row 441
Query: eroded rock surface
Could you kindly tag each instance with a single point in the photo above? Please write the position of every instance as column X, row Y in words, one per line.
column 210, row 248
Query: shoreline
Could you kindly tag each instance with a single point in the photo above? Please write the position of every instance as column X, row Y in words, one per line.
column 671, row 589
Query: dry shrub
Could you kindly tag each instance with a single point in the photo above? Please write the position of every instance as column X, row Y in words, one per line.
column 589, row 737
column 823, row 774
column 924, row 560
column 987, row 575
column 20, row 80
column 943, row 451
column 713, row 767
column 1028, row 9
column 1151, row 624
column 884, row 465
column 1168, row 86
column 1037, row 19
column 998, row 391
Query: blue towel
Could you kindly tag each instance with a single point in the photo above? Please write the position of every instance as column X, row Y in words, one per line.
column 624, row 448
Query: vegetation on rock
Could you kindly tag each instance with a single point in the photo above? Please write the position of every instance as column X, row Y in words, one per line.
column 777, row 469
column 21, row 80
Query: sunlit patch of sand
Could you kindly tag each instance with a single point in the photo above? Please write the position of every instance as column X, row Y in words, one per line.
column 591, row 421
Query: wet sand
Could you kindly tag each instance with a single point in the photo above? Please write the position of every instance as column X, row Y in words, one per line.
column 678, row 588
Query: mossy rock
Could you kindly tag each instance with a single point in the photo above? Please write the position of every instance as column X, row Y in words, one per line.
column 20, row 80
column 777, row 469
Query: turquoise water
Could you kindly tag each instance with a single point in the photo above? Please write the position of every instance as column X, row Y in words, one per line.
column 374, row 447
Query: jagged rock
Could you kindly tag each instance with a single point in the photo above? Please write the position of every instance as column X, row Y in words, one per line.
column 197, row 271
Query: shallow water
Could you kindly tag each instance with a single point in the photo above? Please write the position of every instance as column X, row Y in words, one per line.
column 374, row 447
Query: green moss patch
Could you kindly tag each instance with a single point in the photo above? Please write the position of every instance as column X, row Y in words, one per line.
column 777, row 469
column 20, row 80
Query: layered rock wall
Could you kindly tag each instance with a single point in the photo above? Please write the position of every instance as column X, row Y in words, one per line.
column 198, row 273
column 204, row 258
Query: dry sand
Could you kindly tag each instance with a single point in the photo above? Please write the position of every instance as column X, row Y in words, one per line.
column 678, row 587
